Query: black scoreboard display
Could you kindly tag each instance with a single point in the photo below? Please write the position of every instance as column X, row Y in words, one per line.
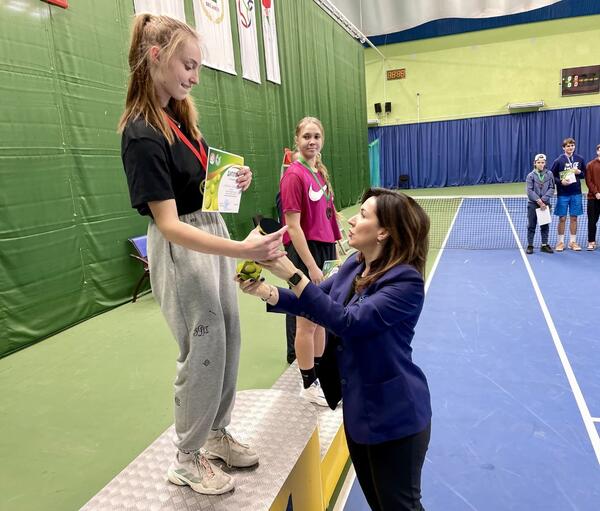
column 580, row 80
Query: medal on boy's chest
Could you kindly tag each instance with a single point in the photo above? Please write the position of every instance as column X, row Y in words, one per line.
column 329, row 212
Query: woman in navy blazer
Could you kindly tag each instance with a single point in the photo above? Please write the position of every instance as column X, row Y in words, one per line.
column 370, row 309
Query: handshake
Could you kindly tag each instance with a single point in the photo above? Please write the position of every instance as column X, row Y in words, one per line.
column 251, row 269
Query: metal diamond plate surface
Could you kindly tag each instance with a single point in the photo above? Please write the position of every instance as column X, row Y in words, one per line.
column 329, row 420
column 278, row 424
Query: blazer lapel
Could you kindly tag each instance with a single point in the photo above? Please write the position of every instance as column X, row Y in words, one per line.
column 347, row 288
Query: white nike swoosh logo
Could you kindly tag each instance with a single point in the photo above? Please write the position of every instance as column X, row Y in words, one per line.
column 314, row 195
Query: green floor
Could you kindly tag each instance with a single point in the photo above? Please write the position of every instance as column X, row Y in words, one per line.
column 78, row 407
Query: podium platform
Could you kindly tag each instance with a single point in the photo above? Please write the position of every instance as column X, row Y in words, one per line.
column 302, row 452
column 334, row 450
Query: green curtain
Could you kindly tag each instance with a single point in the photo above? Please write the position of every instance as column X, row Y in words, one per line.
column 66, row 212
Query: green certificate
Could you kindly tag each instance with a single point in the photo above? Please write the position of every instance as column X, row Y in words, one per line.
column 221, row 192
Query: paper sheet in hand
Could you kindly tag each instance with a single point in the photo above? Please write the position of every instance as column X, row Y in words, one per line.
column 543, row 216
column 221, row 192
column 331, row 267
column 568, row 175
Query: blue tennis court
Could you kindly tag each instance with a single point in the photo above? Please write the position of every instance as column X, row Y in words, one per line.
column 509, row 344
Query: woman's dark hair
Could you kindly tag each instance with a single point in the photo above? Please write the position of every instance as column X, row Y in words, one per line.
column 408, row 240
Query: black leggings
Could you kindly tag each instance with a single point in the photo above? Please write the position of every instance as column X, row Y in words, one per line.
column 390, row 473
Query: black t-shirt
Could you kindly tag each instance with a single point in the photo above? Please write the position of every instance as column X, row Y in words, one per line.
column 158, row 171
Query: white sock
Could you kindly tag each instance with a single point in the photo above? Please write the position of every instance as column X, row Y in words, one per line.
column 561, row 238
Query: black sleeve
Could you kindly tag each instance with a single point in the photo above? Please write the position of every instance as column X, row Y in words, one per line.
column 147, row 171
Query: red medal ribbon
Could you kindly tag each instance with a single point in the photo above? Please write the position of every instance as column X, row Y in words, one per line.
column 202, row 158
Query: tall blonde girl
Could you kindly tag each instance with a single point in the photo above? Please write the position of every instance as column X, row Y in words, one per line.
column 190, row 252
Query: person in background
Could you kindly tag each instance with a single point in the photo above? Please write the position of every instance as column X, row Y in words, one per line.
column 592, row 179
column 289, row 157
column 190, row 254
column 370, row 308
column 540, row 189
column 310, row 215
column 568, row 170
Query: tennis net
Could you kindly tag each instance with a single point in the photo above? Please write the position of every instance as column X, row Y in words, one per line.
column 486, row 222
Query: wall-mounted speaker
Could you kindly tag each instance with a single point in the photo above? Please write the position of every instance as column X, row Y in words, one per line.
column 377, row 108
column 388, row 107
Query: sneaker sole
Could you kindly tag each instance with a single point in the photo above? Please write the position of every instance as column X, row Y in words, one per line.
column 214, row 456
column 175, row 478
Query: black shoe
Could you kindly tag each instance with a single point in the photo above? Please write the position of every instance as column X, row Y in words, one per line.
column 547, row 249
column 290, row 358
column 529, row 249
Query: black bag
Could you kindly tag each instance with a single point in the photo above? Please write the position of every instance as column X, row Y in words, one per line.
column 329, row 374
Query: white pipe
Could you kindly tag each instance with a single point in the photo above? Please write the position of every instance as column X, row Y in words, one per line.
column 349, row 27
column 360, row 10
column 344, row 22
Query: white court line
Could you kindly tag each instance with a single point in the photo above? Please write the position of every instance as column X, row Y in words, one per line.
column 596, row 419
column 588, row 421
column 340, row 503
column 439, row 256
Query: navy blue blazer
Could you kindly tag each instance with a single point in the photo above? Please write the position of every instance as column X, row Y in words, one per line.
column 385, row 395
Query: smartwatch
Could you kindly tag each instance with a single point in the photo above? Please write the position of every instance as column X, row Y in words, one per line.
column 295, row 279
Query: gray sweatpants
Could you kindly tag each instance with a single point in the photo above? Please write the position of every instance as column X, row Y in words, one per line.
column 198, row 297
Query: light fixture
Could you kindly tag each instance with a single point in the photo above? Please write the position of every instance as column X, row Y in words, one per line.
column 530, row 106
column 372, row 123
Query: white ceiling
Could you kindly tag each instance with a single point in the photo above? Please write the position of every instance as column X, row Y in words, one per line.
column 378, row 17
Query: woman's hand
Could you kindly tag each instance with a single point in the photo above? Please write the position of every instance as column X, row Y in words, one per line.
column 244, row 178
column 266, row 292
column 254, row 287
column 281, row 267
column 258, row 247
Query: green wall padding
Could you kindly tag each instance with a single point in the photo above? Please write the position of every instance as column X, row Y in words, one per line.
column 66, row 215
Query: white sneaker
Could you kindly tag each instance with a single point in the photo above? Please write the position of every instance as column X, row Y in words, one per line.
column 195, row 471
column 221, row 445
column 314, row 394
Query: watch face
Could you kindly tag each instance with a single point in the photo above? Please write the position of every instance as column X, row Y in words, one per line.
column 295, row 278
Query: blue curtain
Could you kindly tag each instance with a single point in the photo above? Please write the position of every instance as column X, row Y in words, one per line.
column 374, row 162
column 483, row 150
